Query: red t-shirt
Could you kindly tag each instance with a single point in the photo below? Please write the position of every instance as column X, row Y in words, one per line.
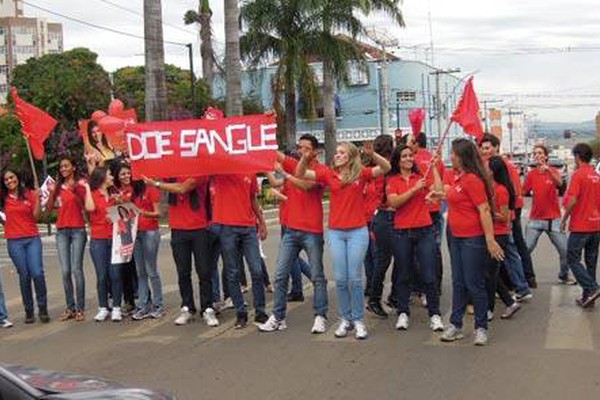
column 415, row 212
column 347, row 205
column 423, row 159
column 283, row 204
column 70, row 207
column 464, row 196
column 19, row 216
column 502, row 199
column 545, row 203
column 146, row 203
column 515, row 178
column 232, row 200
column 100, row 224
column 585, row 186
column 374, row 195
column 304, row 208
column 181, row 214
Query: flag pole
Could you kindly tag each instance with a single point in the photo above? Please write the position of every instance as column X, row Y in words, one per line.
column 36, row 183
column 439, row 146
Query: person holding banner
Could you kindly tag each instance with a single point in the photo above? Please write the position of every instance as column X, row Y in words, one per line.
column 188, row 219
column 348, row 235
column 22, row 209
column 97, row 201
column 100, row 151
column 68, row 198
column 472, row 237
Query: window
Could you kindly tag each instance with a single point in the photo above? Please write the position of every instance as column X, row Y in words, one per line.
column 358, row 74
column 406, row 96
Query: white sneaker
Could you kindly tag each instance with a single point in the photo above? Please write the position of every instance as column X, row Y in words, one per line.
column 402, row 323
column 343, row 328
column 320, row 325
column 436, row 324
column 210, row 318
column 103, row 313
column 272, row 325
column 184, row 317
column 423, row 299
column 115, row 315
column 361, row 330
column 490, row 316
column 451, row 334
column 227, row 304
column 480, row 337
column 5, row 323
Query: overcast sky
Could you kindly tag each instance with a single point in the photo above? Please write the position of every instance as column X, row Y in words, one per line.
column 520, row 48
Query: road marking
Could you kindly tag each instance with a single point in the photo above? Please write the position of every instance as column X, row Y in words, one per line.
column 569, row 326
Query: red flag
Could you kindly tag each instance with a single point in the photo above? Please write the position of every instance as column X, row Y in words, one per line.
column 467, row 112
column 416, row 118
column 36, row 124
column 213, row 113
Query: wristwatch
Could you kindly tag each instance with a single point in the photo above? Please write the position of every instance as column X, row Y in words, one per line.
column 157, row 184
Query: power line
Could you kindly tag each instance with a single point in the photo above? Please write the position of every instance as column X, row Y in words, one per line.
column 104, row 28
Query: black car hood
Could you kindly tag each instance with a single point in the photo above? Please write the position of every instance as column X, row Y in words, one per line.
column 113, row 394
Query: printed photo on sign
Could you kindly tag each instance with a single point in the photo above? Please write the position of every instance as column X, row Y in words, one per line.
column 125, row 223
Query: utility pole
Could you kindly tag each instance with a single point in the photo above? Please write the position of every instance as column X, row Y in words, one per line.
column 510, row 127
column 485, row 112
column 192, row 79
column 438, row 97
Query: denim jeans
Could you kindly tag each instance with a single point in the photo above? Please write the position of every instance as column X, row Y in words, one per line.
column 107, row 274
column 347, row 250
column 145, row 253
column 291, row 244
column 238, row 241
column 514, row 267
column 438, row 228
column 299, row 268
column 534, row 230
column 586, row 243
column 370, row 261
column 467, row 257
column 70, row 244
column 26, row 254
column 419, row 242
column 492, row 281
column 184, row 245
column 519, row 241
column 383, row 227
column 3, row 311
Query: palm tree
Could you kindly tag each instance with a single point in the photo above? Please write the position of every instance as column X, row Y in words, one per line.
column 156, row 88
column 204, row 18
column 233, row 72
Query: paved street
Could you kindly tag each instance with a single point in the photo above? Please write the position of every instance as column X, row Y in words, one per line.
column 551, row 350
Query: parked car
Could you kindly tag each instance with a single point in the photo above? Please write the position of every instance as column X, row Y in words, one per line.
column 24, row 383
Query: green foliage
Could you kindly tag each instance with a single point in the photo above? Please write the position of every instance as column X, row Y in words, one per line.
column 13, row 151
column 251, row 105
column 69, row 86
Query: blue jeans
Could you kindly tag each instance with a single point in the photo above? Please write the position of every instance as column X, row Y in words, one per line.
column 26, row 254
column 514, row 267
column 347, row 250
column 586, row 243
column 291, row 244
column 235, row 242
column 299, row 267
column 468, row 259
column 534, row 230
column 70, row 244
column 145, row 253
column 370, row 261
column 383, row 227
column 438, row 229
column 3, row 312
column 106, row 273
column 406, row 241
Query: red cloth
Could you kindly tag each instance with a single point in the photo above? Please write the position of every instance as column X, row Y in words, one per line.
column 36, row 124
column 146, row 203
column 100, row 225
column 416, row 117
column 374, row 197
column 304, row 209
column 515, row 179
column 19, row 216
column 585, row 187
column 182, row 216
column 70, row 207
column 502, row 199
column 415, row 212
column 464, row 196
column 347, row 205
column 232, row 199
column 467, row 112
column 423, row 159
column 545, row 202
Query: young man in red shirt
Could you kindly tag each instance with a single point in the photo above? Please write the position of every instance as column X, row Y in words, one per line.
column 544, row 181
column 583, row 208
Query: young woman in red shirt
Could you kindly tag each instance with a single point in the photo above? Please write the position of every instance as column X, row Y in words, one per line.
column 407, row 191
column 68, row 198
column 348, row 236
column 22, row 209
column 471, row 238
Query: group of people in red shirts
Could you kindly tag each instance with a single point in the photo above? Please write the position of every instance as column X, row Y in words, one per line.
column 385, row 208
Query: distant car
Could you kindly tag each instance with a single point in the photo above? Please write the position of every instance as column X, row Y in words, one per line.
column 23, row 383
column 560, row 165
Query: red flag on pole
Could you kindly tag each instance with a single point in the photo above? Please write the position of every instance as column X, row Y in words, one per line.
column 416, row 118
column 467, row 112
column 36, row 124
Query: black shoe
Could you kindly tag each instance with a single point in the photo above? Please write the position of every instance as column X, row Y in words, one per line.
column 295, row 297
column 375, row 308
column 261, row 318
column 532, row 283
column 241, row 321
column 29, row 318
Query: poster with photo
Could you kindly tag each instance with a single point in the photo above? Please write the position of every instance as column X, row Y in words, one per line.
column 125, row 223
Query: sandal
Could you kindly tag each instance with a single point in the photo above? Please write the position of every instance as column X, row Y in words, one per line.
column 79, row 316
column 67, row 315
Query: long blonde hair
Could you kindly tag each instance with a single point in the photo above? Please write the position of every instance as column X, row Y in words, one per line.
column 354, row 163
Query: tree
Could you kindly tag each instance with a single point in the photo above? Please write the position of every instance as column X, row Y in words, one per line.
column 156, row 91
column 233, row 69
column 204, row 18
column 69, row 86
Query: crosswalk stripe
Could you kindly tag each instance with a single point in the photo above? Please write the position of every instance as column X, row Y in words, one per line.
column 569, row 327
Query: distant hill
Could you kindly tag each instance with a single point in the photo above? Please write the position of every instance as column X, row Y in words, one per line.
column 556, row 129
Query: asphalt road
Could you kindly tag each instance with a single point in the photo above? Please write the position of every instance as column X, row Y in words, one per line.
column 550, row 350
